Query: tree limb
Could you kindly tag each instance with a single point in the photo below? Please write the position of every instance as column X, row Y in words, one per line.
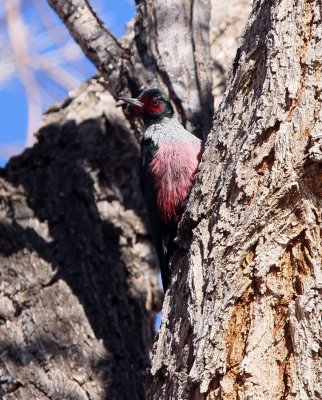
column 97, row 43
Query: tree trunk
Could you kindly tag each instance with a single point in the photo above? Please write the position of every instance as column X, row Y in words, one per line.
column 78, row 288
column 78, row 277
column 242, row 318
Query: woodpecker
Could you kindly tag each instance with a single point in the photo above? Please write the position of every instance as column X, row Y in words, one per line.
column 170, row 156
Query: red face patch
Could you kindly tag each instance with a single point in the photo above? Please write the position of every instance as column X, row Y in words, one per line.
column 151, row 106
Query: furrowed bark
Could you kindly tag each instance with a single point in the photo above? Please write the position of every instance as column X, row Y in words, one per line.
column 78, row 285
column 78, row 276
column 242, row 317
column 228, row 20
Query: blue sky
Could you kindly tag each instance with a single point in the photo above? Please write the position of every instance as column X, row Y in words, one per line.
column 13, row 100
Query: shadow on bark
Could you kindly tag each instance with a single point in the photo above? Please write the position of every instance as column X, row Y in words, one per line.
column 65, row 176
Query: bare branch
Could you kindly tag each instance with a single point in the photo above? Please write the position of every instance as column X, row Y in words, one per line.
column 97, row 43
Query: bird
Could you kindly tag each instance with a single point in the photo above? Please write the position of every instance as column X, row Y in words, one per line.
column 170, row 156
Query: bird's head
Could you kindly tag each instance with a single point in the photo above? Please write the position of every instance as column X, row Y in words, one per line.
column 152, row 105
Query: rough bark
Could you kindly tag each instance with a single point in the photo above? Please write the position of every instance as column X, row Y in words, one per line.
column 242, row 319
column 78, row 278
column 228, row 20
column 78, row 287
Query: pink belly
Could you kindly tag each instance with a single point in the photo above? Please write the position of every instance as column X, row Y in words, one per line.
column 173, row 170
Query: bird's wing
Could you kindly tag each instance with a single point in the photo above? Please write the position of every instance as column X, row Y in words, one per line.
column 158, row 229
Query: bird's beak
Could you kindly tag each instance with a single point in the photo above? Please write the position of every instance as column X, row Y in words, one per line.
column 132, row 102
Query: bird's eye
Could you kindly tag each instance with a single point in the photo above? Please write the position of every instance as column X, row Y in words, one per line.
column 154, row 101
